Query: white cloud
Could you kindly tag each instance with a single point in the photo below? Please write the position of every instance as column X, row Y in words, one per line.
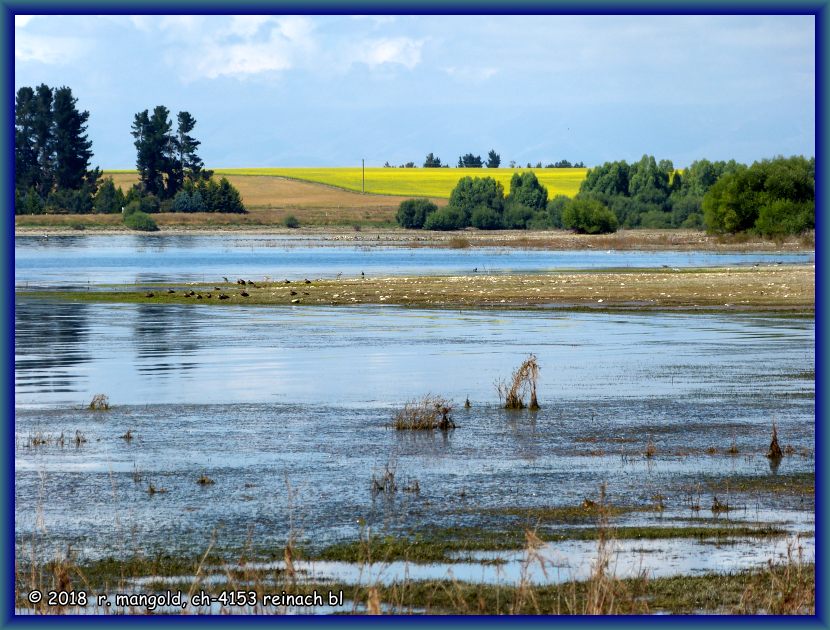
column 48, row 49
column 22, row 20
column 396, row 50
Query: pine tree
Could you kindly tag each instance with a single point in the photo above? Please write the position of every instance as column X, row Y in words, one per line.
column 26, row 170
column 191, row 163
column 73, row 150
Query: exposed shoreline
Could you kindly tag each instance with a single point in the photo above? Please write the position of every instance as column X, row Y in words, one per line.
column 779, row 288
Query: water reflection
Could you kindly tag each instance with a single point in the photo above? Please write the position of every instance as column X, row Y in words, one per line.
column 63, row 260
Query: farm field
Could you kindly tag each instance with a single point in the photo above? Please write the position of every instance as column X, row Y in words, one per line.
column 421, row 182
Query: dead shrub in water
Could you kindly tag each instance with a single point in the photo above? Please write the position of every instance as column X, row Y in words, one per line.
column 385, row 484
column 774, row 451
column 426, row 414
column 522, row 381
column 99, row 402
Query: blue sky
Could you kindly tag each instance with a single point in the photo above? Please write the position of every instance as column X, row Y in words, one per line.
column 330, row 90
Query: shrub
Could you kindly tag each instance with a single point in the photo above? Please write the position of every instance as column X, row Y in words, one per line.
column 427, row 414
column 655, row 219
column 485, row 218
column 30, row 203
column 555, row 208
column 108, row 199
column 472, row 192
column 516, row 216
column 447, row 218
column 526, row 190
column 781, row 217
column 412, row 213
column 182, row 202
column 291, row 222
column 66, row 201
column 589, row 216
column 141, row 221
column 522, row 381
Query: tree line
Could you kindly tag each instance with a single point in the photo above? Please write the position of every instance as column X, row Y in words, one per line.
column 469, row 160
column 53, row 154
column 771, row 198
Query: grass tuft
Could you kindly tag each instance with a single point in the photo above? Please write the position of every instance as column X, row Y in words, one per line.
column 427, row 414
column 522, row 381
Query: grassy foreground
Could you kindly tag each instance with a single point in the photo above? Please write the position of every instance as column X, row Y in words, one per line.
column 419, row 182
column 778, row 287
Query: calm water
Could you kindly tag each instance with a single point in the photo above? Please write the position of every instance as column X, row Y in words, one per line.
column 76, row 260
column 288, row 408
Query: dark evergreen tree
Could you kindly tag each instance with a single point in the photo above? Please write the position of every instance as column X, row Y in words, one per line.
column 191, row 163
column 432, row 162
column 44, row 138
column 26, row 170
column 493, row 159
column 73, row 150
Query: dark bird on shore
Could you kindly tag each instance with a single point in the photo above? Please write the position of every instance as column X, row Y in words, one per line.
column 150, row 294
column 307, row 281
column 287, row 281
column 250, row 281
column 225, row 279
column 198, row 296
column 240, row 281
column 210, row 295
column 171, row 290
column 222, row 296
column 217, row 288
column 244, row 294
column 362, row 275
column 475, row 270
column 293, row 293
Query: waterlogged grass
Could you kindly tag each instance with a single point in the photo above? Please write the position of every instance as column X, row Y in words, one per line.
column 456, row 543
column 421, row 182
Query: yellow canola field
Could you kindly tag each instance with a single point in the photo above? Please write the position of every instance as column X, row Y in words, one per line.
column 421, row 182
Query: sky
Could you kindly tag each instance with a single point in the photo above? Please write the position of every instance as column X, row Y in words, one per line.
column 284, row 90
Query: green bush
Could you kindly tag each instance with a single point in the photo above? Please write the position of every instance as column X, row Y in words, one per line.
column 655, row 219
column 412, row 213
column 554, row 210
column 447, row 218
column 589, row 216
column 141, row 221
column 485, row 218
column 526, row 190
column 471, row 192
column 108, row 199
column 517, row 216
column 781, row 217
column 291, row 222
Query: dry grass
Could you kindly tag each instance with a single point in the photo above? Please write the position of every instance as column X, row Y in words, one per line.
column 99, row 402
column 427, row 414
column 522, row 382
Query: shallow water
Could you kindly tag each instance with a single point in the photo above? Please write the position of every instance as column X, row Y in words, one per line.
column 78, row 260
column 287, row 409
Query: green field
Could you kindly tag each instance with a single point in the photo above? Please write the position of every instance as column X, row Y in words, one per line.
column 426, row 182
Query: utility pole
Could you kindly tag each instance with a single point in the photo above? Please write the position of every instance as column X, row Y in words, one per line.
column 363, row 168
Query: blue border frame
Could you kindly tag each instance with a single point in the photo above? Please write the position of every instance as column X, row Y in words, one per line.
column 820, row 9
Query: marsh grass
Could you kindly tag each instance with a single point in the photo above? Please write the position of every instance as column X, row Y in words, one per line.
column 99, row 402
column 426, row 414
column 522, row 382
